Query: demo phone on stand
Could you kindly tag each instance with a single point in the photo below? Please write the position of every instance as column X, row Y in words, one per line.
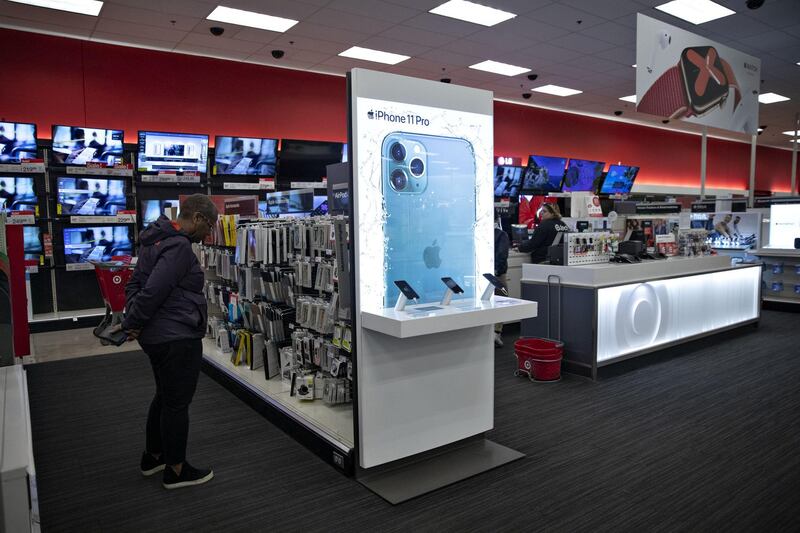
column 429, row 188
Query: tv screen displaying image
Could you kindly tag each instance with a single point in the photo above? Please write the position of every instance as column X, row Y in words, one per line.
column 32, row 243
column 619, row 179
column 544, row 174
column 282, row 202
column 583, row 175
column 17, row 194
column 90, row 196
column 308, row 160
column 245, row 156
column 100, row 243
column 320, row 206
column 507, row 180
column 17, row 142
column 179, row 152
column 152, row 209
column 74, row 145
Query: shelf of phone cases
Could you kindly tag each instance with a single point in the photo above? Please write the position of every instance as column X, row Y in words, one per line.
column 590, row 247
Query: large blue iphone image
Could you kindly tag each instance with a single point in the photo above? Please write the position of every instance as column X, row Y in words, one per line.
column 429, row 191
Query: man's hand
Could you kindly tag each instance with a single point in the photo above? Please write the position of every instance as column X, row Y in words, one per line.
column 133, row 334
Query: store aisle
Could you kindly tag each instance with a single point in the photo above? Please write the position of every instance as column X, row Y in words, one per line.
column 698, row 441
column 69, row 344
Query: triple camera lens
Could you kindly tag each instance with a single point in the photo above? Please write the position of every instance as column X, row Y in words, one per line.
column 398, row 179
column 398, row 151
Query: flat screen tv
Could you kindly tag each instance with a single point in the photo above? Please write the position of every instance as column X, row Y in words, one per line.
column 76, row 145
column 544, row 174
column 283, row 202
column 619, row 179
column 507, row 181
column 583, row 175
column 98, row 243
column 179, row 152
column 152, row 209
column 90, row 196
column 32, row 243
column 17, row 142
column 17, row 194
column 307, row 160
column 320, row 206
column 245, row 156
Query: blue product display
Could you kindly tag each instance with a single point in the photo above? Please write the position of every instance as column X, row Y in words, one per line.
column 17, row 142
column 91, row 196
column 179, row 152
column 74, row 145
column 619, row 179
column 428, row 185
column 583, row 175
column 17, row 194
column 544, row 174
column 101, row 243
column 245, row 156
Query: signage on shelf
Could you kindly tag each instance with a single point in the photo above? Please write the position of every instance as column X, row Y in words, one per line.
column 310, row 184
column 73, row 267
column 25, row 166
column 102, row 169
column 658, row 208
column 170, row 176
column 21, row 217
column 121, row 218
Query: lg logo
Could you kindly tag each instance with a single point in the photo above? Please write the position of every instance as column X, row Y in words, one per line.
column 505, row 160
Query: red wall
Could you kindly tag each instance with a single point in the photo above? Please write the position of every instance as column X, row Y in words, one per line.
column 67, row 81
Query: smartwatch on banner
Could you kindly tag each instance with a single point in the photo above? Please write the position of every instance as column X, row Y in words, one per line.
column 696, row 85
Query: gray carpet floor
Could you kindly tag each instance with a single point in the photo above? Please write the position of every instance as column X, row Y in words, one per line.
column 700, row 437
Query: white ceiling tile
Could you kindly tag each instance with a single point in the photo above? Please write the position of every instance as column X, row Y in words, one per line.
column 289, row 41
column 148, row 17
column 504, row 39
column 43, row 27
column 421, row 5
column 192, row 8
column 777, row 13
column 220, row 44
column 447, row 58
column 474, row 49
column 378, row 9
column 253, row 34
column 565, row 16
column 416, row 35
column 771, row 41
column 396, row 47
column 595, row 64
column 128, row 40
column 611, row 32
column 607, row 9
column 348, row 21
column 268, row 60
column 48, row 16
column 424, row 65
column 301, row 56
column 444, row 25
column 737, row 26
column 550, row 53
column 140, row 31
column 581, row 43
column 621, row 55
column 518, row 7
column 211, row 52
column 326, row 33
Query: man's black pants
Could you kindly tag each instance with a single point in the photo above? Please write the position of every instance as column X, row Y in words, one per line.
column 176, row 367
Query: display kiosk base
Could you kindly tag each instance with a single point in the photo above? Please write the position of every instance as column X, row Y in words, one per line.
column 406, row 479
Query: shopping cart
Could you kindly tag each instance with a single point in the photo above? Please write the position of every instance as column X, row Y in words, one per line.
column 112, row 276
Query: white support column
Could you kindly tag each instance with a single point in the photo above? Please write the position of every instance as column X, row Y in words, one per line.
column 752, row 187
column 794, row 153
column 703, row 160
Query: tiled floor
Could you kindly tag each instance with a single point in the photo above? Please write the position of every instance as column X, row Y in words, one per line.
column 69, row 344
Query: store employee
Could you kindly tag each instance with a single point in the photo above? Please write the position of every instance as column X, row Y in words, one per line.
column 544, row 235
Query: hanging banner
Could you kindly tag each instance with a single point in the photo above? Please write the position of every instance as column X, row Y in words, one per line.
column 681, row 75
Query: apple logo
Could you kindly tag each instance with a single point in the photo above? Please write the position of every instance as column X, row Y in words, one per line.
column 431, row 256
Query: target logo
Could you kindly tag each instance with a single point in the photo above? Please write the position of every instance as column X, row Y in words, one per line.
column 117, row 280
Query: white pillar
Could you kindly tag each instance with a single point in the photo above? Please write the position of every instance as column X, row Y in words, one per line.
column 703, row 159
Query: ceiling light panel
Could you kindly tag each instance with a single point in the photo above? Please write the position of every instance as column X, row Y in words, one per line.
column 82, row 7
column 251, row 19
column 377, row 56
column 695, row 11
column 556, row 90
column 771, row 98
column 471, row 12
column 499, row 68
column 631, row 98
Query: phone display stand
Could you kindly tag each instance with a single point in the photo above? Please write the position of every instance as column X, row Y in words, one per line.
column 448, row 296
column 401, row 302
column 488, row 293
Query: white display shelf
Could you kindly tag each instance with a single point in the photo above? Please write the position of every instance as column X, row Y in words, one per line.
column 430, row 318
column 332, row 421
column 782, row 299
column 67, row 315
column 776, row 252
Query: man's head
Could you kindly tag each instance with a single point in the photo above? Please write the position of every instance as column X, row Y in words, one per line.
column 728, row 218
column 197, row 217
column 2, row 184
column 102, row 234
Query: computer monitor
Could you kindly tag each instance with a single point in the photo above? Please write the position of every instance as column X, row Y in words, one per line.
column 90, row 196
column 32, row 243
column 152, row 209
column 583, row 175
column 97, row 243
column 17, row 142
column 179, row 152
column 619, row 179
column 250, row 156
column 285, row 202
column 17, row 194
column 544, row 174
column 76, row 146
column 507, row 181
column 308, row 160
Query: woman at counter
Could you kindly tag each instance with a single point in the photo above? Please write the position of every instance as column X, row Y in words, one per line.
column 544, row 235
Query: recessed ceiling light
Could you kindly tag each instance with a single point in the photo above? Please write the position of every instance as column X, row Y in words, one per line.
column 695, row 11
column 470, row 12
column 634, row 65
column 789, row 133
column 83, row 7
column 556, row 90
column 771, row 98
column 251, row 19
column 631, row 98
column 367, row 54
column 499, row 68
column 760, row 129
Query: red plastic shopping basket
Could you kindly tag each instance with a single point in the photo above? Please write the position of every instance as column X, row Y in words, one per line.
column 112, row 276
column 539, row 359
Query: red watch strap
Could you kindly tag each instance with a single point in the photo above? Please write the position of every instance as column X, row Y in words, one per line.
column 737, row 92
column 667, row 96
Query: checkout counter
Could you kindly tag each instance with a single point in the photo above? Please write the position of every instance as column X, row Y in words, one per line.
column 609, row 312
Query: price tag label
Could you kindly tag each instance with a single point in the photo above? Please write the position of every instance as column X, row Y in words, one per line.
column 267, row 184
column 73, row 267
column 21, row 217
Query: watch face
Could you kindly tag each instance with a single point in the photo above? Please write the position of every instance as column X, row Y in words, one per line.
column 706, row 84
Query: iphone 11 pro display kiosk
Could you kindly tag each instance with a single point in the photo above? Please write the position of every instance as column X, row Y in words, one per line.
column 421, row 155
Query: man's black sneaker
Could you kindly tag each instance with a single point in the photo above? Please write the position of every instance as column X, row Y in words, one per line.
column 151, row 465
column 189, row 476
